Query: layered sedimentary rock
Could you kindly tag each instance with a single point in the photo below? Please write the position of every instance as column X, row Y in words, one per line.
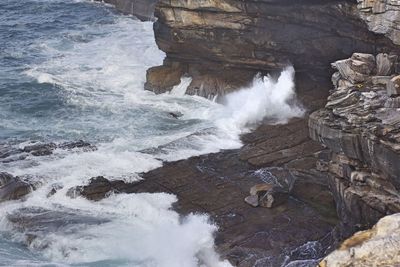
column 382, row 16
column 361, row 127
column 222, row 44
column 142, row 9
column 376, row 247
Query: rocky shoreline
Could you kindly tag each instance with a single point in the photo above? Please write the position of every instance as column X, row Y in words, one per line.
column 322, row 177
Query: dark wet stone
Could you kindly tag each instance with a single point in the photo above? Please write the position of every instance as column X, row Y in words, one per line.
column 78, row 144
column 175, row 115
column 40, row 149
column 100, row 187
column 13, row 188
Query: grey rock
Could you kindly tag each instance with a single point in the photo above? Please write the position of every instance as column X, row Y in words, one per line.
column 13, row 188
column 393, row 86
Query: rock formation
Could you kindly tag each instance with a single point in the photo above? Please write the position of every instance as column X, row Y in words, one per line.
column 360, row 126
column 222, row 44
column 376, row 247
column 382, row 16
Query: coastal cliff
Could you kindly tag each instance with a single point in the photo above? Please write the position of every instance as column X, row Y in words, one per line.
column 223, row 44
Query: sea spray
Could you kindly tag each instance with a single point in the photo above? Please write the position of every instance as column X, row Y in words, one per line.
column 83, row 78
column 266, row 97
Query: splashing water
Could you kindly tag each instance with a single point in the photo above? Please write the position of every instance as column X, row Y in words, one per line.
column 73, row 70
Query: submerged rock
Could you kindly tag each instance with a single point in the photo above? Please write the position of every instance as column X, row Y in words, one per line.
column 39, row 223
column 378, row 246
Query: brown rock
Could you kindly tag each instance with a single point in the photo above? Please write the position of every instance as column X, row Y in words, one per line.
column 163, row 78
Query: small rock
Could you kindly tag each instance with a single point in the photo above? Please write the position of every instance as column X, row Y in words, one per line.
column 393, row 87
column 252, row 200
column 359, row 177
column 175, row 115
column 274, row 197
column 267, row 195
column 260, row 188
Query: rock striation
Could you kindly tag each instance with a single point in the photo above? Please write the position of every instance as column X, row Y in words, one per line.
column 223, row 44
column 376, row 247
column 360, row 125
column 382, row 16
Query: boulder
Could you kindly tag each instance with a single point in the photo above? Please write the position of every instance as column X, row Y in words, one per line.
column 13, row 188
column 385, row 64
column 267, row 195
column 273, row 197
column 357, row 68
column 393, row 86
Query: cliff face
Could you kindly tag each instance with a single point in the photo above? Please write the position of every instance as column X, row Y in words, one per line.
column 360, row 127
column 222, row 44
column 382, row 16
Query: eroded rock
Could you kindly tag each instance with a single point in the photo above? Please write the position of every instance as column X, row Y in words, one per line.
column 378, row 246
column 359, row 125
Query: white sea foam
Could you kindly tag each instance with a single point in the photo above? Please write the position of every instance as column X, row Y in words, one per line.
column 100, row 81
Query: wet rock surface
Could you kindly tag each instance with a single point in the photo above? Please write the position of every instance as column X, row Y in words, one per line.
column 100, row 187
column 360, row 126
column 13, row 188
column 217, row 184
column 10, row 153
column 36, row 222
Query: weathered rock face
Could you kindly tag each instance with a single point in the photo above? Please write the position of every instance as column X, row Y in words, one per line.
column 142, row 9
column 382, row 16
column 376, row 247
column 360, row 125
column 222, row 44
